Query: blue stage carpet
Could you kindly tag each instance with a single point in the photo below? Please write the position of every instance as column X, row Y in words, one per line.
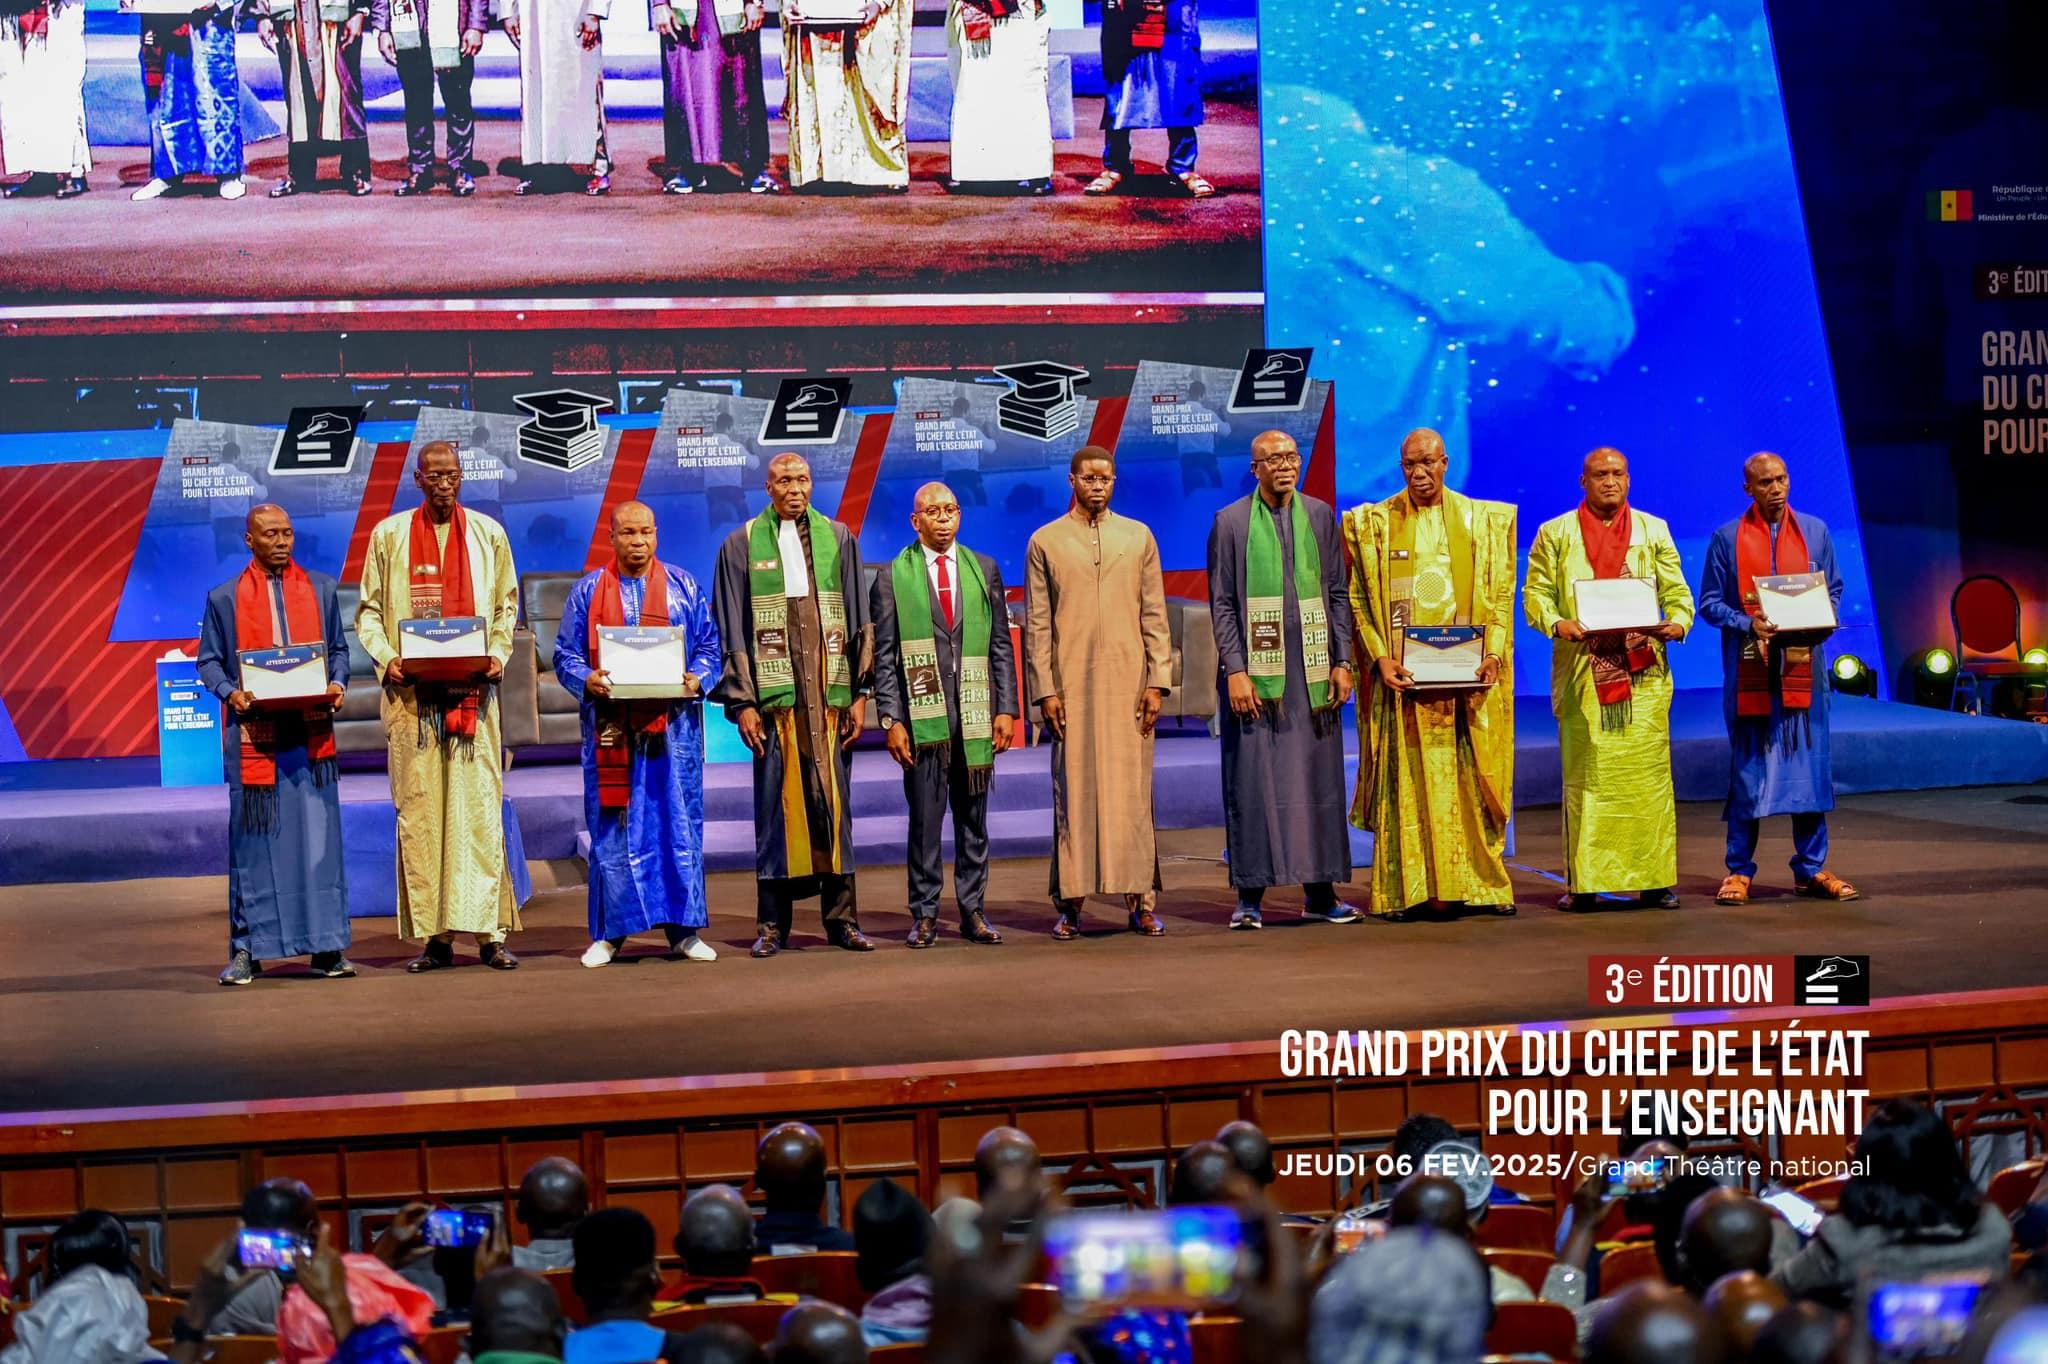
column 67, row 822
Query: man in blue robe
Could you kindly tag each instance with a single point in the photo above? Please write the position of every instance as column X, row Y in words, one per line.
column 643, row 761
column 1774, row 687
column 1152, row 78
column 286, row 893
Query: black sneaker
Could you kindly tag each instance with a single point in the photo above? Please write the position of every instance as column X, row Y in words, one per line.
column 242, row 969
column 332, row 965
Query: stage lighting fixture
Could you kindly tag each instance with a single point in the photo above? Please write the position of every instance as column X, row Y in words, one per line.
column 1937, row 663
column 1849, row 676
column 2036, row 657
column 1932, row 675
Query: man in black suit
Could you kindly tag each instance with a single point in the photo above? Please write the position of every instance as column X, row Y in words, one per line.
column 946, row 687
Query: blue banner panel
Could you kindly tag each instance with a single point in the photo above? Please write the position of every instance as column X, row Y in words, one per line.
column 188, row 726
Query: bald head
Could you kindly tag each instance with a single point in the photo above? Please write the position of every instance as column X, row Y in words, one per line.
column 1276, row 464
column 1423, row 461
column 553, row 1198
column 935, row 516
column 1604, row 477
column 1202, row 1174
column 1743, row 1304
column 1804, row 1333
column 819, row 1333
column 789, row 1169
column 1724, row 1232
column 715, row 1235
column 1250, row 1149
column 1005, row 1151
column 633, row 538
column 513, row 1310
column 282, row 1204
column 267, row 531
column 1654, row 1323
column 1768, row 483
column 789, row 485
column 1430, row 1201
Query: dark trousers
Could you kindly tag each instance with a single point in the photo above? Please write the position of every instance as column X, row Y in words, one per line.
column 775, row 901
column 936, row 784
column 1181, row 147
column 303, row 160
column 1809, row 844
column 1319, row 894
column 416, row 75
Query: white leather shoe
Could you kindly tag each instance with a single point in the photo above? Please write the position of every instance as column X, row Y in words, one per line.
column 696, row 949
column 155, row 189
column 233, row 189
column 599, row 953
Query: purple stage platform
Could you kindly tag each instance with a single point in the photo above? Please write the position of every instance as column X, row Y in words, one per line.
column 107, row 821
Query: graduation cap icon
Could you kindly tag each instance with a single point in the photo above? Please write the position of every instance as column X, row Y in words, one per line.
column 1272, row 380
column 1041, row 403
column 563, row 432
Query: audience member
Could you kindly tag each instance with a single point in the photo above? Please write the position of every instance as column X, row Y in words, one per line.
column 789, row 1170
column 891, row 1233
column 515, row 1317
column 284, row 1205
column 819, row 1333
column 1804, row 1333
column 1201, row 1175
column 1654, row 1323
column 1414, row 1296
column 1638, row 1217
column 1251, row 1151
column 715, row 1238
column 90, row 1311
column 1421, row 1133
column 1002, row 1150
column 721, row 1342
column 1915, row 1212
column 338, row 1297
column 1716, row 1233
column 1743, row 1303
column 1436, row 1202
column 553, row 1197
column 617, row 1278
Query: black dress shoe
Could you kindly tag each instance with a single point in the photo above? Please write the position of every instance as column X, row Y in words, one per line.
column 438, row 957
column 71, row 186
column 922, row 933
column 1666, row 898
column 1146, row 924
column 464, row 184
column 498, row 957
column 1066, row 928
column 1497, row 911
column 285, row 189
column 332, row 965
column 38, row 182
column 419, row 183
column 1577, row 903
column 766, row 944
column 975, row 928
column 853, row 940
column 359, row 185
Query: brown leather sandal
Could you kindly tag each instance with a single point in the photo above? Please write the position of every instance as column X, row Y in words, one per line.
column 1734, row 890
column 1825, row 885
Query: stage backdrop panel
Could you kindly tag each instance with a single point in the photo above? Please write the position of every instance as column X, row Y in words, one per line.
column 1542, row 229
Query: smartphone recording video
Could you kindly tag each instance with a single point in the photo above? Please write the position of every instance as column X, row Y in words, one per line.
column 455, row 1228
column 1167, row 1257
column 267, row 1248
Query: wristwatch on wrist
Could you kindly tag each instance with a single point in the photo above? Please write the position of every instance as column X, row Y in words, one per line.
column 888, row 723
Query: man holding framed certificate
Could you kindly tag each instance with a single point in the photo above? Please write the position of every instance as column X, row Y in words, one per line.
column 643, row 758
column 1605, row 584
column 1769, row 561
column 1433, row 574
column 286, row 893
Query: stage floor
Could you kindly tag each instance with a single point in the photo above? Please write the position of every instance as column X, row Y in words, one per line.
column 638, row 242
column 111, row 1000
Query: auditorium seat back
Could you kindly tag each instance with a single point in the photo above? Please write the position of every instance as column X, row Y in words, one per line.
column 1530, row 1266
column 1515, row 1226
column 543, row 596
column 1627, row 1264
column 444, row 1344
column 757, row 1319
column 827, row 1274
column 1533, row 1328
column 561, row 1280
column 2012, row 1186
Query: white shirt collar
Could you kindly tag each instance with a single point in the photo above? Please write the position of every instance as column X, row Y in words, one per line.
column 931, row 556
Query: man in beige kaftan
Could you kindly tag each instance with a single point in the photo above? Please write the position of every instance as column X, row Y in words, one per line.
column 848, row 97
column 1098, row 660
column 443, row 738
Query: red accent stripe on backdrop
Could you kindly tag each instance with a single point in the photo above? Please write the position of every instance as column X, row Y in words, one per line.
column 378, row 493
column 1320, row 478
column 627, row 467
column 1108, row 423
column 1192, row 583
column 67, row 540
column 860, row 479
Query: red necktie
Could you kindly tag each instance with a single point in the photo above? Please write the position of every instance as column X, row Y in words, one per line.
column 945, row 591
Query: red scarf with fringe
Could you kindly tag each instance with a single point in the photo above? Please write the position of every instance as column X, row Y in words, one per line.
column 256, row 627
column 1616, row 659
column 1753, row 560
column 623, row 725
column 440, row 586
